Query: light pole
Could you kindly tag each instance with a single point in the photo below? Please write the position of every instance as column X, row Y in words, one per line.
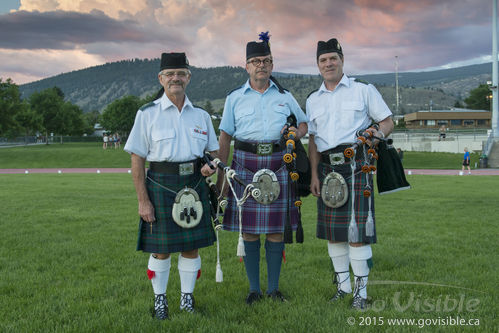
column 397, row 85
column 495, row 104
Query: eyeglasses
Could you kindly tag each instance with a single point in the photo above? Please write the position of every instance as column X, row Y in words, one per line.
column 258, row 62
column 180, row 74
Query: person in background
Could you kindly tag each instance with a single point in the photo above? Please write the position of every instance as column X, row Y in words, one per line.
column 466, row 160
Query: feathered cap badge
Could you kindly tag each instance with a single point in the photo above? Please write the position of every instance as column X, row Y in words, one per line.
column 264, row 37
column 259, row 49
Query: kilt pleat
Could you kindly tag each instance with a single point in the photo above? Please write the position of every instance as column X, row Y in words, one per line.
column 167, row 236
column 332, row 223
column 258, row 218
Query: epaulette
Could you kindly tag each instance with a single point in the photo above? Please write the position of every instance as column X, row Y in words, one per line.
column 312, row 92
column 143, row 107
column 199, row 107
column 361, row 81
column 230, row 92
column 279, row 87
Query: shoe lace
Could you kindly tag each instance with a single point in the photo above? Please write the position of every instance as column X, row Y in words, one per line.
column 161, row 306
column 359, row 285
column 187, row 302
column 337, row 282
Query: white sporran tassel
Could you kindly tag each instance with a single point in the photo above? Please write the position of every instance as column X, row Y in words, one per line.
column 219, row 276
column 240, row 247
column 370, row 222
column 240, row 244
column 353, row 231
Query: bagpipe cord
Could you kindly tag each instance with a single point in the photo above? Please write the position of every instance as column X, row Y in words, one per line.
column 370, row 220
column 353, row 231
column 229, row 173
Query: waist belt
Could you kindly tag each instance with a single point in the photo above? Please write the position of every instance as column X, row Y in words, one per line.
column 176, row 168
column 335, row 156
column 258, row 148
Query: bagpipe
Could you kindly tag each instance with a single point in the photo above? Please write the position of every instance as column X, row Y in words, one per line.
column 298, row 167
column 390, row 173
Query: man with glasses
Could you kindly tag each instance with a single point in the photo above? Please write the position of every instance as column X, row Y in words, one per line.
column 337, row 111
column 255, row 115
column 172, row 135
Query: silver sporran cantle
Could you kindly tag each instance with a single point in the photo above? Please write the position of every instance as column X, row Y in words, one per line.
column 334, row 191
column 187, row 209
column 266, row 181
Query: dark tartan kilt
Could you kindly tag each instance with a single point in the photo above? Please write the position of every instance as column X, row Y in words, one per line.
column 166, row 235
column 258, row 218
column 332, row 223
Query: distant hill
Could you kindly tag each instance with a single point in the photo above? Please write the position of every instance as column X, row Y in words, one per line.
column 95, row 87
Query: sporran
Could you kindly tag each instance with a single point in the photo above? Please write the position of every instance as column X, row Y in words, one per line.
column 266, row 181
column 334, row 191
column 187, row 209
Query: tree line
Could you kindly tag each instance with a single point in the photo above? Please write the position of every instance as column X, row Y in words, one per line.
column 44, row 112
column 47, row 111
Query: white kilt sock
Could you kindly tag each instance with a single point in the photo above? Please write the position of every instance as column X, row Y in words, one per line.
column 341, row 261
column 358, row 260
column 188, row 271
column 161, row 268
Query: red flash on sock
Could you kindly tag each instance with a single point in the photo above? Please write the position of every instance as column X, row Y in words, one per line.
column 150, row 274
column 199, row 275
column 284, row 256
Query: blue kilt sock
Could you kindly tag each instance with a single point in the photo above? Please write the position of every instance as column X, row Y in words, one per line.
column 252, row 264
column 273, row 254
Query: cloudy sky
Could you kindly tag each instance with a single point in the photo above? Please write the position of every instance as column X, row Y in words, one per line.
column 42, row 38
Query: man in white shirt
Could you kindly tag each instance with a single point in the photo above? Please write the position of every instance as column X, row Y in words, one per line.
column 337, row 111
column 172, row 135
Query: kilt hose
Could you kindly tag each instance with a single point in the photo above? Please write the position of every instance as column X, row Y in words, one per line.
column 166, row 235
column 258, row 218
column 332, row 223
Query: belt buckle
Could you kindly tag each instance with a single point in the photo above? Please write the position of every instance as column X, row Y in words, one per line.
column 264, row 148
column 185, row 169
column 336, row 158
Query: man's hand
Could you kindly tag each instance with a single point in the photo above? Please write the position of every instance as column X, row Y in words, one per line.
column 315, row 186
column 146, row 211
column 207, row 171
column 291, row 129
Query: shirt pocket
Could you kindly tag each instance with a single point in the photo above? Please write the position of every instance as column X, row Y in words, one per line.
column 350, row 112
column 162, row 143
column 320, row 121
column 243, row 113
column 200, row 140
column 162, row 134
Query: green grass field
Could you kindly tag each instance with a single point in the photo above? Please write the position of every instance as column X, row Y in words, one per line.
column 91, row 155
column 68, row 262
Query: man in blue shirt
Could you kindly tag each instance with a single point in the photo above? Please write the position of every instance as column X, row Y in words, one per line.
column 466, row 160
column 255, row 115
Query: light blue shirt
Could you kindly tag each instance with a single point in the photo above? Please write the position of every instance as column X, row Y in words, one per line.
column 162, row 133
column 253, row 116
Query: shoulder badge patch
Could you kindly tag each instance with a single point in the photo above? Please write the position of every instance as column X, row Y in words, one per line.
column 148, row 105
column 361, row 81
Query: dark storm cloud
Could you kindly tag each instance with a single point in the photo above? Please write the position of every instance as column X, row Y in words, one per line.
column 64, row 30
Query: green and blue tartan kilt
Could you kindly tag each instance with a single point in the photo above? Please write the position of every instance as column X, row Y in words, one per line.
column 167, row 236
column 332, row 223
